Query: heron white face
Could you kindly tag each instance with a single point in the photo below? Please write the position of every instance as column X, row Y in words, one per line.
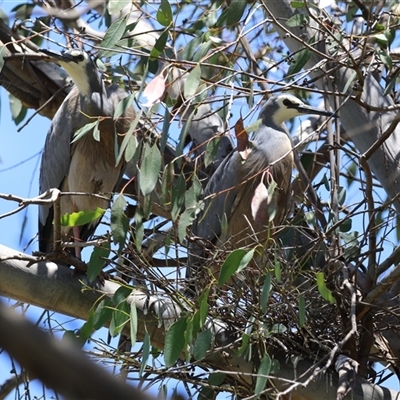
column 287, row 107
column 76, row 63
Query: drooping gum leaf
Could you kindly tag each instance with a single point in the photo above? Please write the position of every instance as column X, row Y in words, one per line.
column 84, row 130
column 298, row 20
column 115, row 6
column 164, row 14
column 323, row 290
column 119, row 318
column 114, row 33
column 81, row 217
column 123, row 105
column 192, row 82
column 233, row 14
column 149, row 168
column 97, row 261
column 102, row 314
column 236, row 261
column 145, row 352
column 119, row 223
column 159, row 45
column 127, row 141
column 263, row 370
column 202, row 344
column 174, row 344
column 211, row 150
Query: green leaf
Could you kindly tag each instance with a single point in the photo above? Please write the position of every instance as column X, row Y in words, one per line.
column 120, row 317
column 341, row 195
column 298, row 20
column 102, row 314
column 353, row 78
column 278, row 270
column 216, row 378
column 123, row 105
column 149, row 168
column 193, row 194
column 235, row 262
column 300, row 59
column 121, row 294
column 202, row 344
column 114, row 33
column 178, row 196
column 206, row 393
column 302, row 311
column 265, row 293
column 232, row 14
column 345, row 225
column 202, row 51
column 263, row 370
column 115, row 6
column 84, row 130
column 390, row 85
column 323, row 290
column 133, row 323
column 18, row 111
column 119, row 47
column 81, row 217
column 159, row 46
column 185, row 219
column 211, row 150
column 164, row 14
column 145, row 353
column 245, row 343
column 203, row 307
column 96, row 133
column 167, row 184
column 174, row 344
column 189, row 50
column 297, row 4
column 278, row 328
column 86, row 330
column 119, row 222
column 192, row 82
column 98, row 260
column 129, row 142
column 386, row 59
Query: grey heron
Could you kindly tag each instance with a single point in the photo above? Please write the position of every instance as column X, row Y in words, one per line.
column 89, row 164
column 233, row 196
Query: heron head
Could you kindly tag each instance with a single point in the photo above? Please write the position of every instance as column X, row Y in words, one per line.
column 79, row 67
column 286, row 106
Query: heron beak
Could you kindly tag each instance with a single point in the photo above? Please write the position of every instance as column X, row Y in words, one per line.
column 57, row 56
column 305, row 109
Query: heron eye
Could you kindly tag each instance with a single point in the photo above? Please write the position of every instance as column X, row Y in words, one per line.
column 287, row 103
column 80, row 57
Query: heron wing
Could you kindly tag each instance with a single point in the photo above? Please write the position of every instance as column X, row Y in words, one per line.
column 56, row 159
column 223, row 184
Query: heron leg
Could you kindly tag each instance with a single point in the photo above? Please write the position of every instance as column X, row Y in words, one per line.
column 76, row 234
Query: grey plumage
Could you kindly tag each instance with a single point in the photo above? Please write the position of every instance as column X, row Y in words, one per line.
column 87, row 165
column 232, row 188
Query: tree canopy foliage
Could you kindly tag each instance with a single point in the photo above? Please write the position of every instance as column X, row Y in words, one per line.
column 320, row 298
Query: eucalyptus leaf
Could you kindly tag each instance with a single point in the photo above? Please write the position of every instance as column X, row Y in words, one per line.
column 150, row 167
column 174, row 344
column 81, row 217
